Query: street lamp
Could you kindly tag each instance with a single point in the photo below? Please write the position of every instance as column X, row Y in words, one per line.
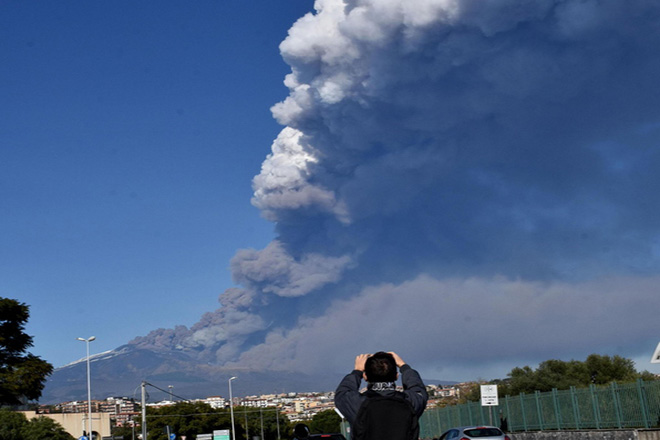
column 231, row 409
column 89, row 389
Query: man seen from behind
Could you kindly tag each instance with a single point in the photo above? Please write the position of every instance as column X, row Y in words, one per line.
column 382, row 412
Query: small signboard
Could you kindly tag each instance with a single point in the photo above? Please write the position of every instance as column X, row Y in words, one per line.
column 221, row 434
column 489, row 395
column 655, row 359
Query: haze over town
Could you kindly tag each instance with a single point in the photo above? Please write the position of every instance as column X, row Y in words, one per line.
column 470, row 184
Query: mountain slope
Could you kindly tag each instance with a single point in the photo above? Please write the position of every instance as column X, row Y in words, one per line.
column 120, row 373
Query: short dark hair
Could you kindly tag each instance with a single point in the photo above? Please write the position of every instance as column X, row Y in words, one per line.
column 380, row 367
column 301, row 431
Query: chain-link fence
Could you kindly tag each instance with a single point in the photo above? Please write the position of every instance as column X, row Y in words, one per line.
column 631, row 405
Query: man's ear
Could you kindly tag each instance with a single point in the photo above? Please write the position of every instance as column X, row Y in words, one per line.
column 364, row 375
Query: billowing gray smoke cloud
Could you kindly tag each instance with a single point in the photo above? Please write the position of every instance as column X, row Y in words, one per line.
column 465, row 182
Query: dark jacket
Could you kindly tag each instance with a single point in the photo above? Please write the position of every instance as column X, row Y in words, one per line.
column 348, row 397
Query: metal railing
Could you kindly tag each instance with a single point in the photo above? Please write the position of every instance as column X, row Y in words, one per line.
column 615, row 406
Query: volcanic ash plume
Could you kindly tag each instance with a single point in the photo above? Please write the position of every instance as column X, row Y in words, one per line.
column 443, row 161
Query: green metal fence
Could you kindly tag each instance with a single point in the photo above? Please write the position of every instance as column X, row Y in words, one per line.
column 631, row 405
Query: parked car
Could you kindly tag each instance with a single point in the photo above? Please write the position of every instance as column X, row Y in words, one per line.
column 474, row 432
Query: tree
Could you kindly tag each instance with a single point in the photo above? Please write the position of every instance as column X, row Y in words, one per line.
column 605, row 369
column 327, row 421
column 44, row 428
column 470, row 393
column 22, row 375
column 268, row 417
column 185, row 418
column 193, row 418
column 15, row 426
column 11, row 424
column 553, row 373
column 125, row 431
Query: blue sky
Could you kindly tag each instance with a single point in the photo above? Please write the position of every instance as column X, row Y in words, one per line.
column 480, row 176
column 130, row 132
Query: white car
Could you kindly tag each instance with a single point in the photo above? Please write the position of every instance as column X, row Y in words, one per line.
column 474, row 433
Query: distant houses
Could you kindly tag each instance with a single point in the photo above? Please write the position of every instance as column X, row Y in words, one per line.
column 297, row 407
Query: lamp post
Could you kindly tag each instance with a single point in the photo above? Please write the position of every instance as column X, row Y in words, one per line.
column 231, row 409
column 89, row 389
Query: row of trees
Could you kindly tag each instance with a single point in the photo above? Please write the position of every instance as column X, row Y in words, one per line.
column 183, row 419
column 190, row 419
column 561, row 375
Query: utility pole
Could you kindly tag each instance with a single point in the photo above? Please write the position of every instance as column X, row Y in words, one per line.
column 277, row 418
column 247, row 435
column 261, row 413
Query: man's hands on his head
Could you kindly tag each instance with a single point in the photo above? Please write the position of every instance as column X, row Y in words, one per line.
column 360, row 360
column 399, row 362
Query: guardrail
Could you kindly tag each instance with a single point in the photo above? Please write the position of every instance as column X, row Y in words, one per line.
column 615, row 406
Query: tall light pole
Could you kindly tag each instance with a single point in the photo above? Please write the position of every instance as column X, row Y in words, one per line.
column 89, row 389
column 231, row 409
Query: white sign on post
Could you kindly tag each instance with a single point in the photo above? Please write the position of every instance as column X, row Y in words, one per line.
column 489, row 395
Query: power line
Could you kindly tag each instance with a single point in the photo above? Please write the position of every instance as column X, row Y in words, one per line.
column 168, row 391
